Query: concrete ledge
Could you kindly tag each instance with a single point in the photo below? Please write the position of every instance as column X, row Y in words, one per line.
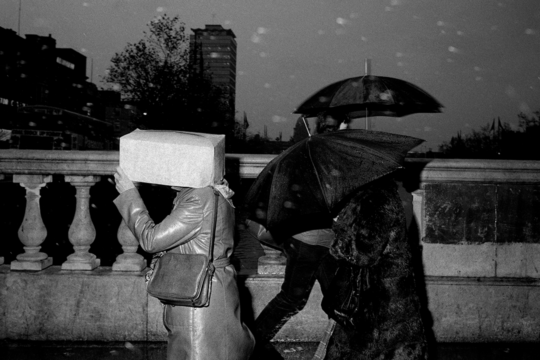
column 489, row 260
column 102, row 305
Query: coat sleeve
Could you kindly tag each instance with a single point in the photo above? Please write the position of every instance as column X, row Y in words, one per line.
column 367, row 224
column 180, row 226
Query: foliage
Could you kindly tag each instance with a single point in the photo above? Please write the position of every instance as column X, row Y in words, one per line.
column 498, row 141
column 154, row 74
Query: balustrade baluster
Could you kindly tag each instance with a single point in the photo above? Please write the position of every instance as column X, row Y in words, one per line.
column 32, row 231
column 129, row 260
column 272, row 263
column 418, row 211
column 82, row 232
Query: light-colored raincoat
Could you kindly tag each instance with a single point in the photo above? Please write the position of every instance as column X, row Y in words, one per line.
column 214, row 332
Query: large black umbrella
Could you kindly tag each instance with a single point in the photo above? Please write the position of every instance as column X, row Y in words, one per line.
column 370, row 96
column 304, row 187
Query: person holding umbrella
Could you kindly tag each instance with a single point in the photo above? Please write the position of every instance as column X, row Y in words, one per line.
column 308, row 260
column 373, row 298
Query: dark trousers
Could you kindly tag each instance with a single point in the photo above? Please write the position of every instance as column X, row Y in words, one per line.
column 305, row 264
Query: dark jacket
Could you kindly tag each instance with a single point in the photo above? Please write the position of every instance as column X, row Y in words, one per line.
column 371, row 240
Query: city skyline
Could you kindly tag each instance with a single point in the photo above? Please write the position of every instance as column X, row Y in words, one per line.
column 478, row 59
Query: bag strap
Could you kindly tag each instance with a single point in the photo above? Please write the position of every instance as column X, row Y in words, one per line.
column 214, row 221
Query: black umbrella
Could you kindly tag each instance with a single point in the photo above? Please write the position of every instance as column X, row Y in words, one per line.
column 370, row 96
column 304, row 187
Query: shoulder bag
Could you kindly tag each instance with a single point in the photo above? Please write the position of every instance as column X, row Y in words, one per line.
column 184, row 279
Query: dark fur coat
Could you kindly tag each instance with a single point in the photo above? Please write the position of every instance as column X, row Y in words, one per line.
column 371, row 241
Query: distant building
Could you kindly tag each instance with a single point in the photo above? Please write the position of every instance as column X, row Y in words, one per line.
column 51, row 128
column 213, row 51
column 46, row 101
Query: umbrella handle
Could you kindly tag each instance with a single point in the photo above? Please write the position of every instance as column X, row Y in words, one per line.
column 306, row 125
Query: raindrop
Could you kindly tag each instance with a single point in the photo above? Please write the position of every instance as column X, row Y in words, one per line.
column 398, row 54
column 342, row 21
column 440, row 23
column 478, row 78
column 477, row 68
column 160, row 9
column 84, row 50
column 363, row 38
column 399, row 63
column 321, row 32
column 296, row 187
column 453, row 49
column 262, row 30
column 278, row 119
column 354, row 15
column 530, row 31
column 32, row 124
column 260, row 214
column 324, row 98
column 288, row 205
column 460, row 33
column 263, row 54
column 85, row 4
column 267, row 85
column 255, row 38
column 129, row 345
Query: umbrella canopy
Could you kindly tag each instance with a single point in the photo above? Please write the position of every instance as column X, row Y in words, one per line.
column 370, row 96
column 304, row 187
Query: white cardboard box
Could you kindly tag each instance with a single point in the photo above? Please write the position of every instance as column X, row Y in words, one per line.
column 173, row 158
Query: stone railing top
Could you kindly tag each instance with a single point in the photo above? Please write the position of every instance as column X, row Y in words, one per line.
column 47, row 162
column 476, row 170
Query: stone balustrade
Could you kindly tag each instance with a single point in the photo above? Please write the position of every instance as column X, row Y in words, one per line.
column 478, row 233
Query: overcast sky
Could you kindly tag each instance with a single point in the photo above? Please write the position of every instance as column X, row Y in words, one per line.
column 479, row 58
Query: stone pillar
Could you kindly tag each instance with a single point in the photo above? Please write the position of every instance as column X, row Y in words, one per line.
column 32, row 231
column 129, row 260
column 418, row 211
column 272, row 263
column 82, row 232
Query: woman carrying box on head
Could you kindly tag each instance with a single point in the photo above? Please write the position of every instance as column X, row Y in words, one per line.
column 194, row 333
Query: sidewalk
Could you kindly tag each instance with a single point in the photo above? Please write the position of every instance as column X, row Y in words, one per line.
column 118, row 351
column 290, row 351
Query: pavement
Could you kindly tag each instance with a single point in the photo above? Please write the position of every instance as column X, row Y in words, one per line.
column 17, row 350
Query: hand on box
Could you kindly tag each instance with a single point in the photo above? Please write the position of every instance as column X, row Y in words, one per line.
column 122, row 182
